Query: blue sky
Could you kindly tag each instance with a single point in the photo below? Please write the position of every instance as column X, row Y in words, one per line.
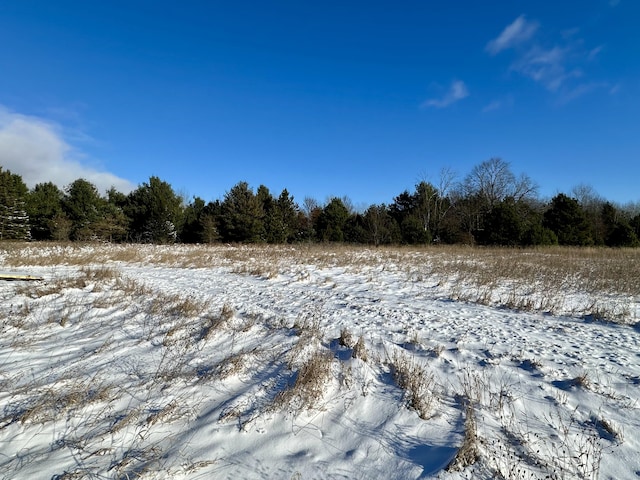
column 362, row 99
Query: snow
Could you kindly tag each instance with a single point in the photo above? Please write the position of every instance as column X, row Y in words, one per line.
column 175, row 363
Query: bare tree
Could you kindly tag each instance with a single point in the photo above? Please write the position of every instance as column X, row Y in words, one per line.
column 493, row 181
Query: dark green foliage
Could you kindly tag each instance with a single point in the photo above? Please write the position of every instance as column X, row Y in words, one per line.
column 242, row 215
column 44, row 203
column 84, row 207
column 210, row 220
column 200, row 223
column 491, row 206
column 635, row 225
column 155, row 212
column 536, row 234
column 192, row 226
column 332, row 221
column 380, row 226
column 281, row 219
column 113, row 224
column 14, row 220
column 413, row 231
column 568, row 221
column 503, row 225
column 622, row 235
column 355, row 230
column 420, row 215
column 617, row 230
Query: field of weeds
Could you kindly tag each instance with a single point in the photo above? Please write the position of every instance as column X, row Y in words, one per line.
column 307, row 361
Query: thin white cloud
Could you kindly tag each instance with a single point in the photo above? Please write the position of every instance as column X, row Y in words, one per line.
column 516, row 33
column 499, row 104
column 557, row 65
column 582, row 89
column 35, row 149
column 593, row 54
column 457, row 91
column 547, row 67
column 492, row 106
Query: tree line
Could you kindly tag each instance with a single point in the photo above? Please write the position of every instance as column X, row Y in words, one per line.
column 489, row 206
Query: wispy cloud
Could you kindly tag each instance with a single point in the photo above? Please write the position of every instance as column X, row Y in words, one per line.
column 36, row 149
column 582, row 89
column 559, row 66
column 519, row 31
column 547, row 66
column 498, row 104
column 457, row 91
column 493, row 106
column 594, row 52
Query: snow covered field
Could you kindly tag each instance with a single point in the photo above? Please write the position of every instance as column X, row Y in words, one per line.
column 310, row 362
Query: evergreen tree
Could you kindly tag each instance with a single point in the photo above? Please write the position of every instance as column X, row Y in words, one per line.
column 503, row 225
column 155, row 211
column 592, row 205
column 535, row 233
column 269, row 218
column 355, row 229
column 618, row 232
column 332, row 221
column 83, row 206
column 281, row 219
column 14, row 220
column 512, row 223
column 113, row 225
column 44, row 203
column 210, row 220
column 412, row 215
column 635, row 225
column 568, row 221
column 192, row 226
column 242, row 215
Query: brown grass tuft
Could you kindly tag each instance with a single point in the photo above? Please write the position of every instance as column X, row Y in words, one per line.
column 417, row 383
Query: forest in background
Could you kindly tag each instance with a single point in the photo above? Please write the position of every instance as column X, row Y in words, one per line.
column 488, row 206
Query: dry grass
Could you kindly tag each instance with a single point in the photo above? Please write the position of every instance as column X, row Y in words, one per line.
column 467, row 454
column 345, row 339
column 417, row 383
column 530, row 279
column 309, row 385
column 360, row 350
column 592, row 270
column 55, row 402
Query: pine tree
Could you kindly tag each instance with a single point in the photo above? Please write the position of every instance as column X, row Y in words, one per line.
column 156, row 212
column 84, row 206
column 242, row 215
column 281, row 219
column 193, row 226
column 568, row 221
column 332, row 221
column 14, row 220
column 44, row 204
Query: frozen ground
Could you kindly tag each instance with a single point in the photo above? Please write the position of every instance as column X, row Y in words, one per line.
column 149, row 368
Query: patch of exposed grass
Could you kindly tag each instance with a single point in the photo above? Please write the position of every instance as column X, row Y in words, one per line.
column 309, row 385
column 417, row 383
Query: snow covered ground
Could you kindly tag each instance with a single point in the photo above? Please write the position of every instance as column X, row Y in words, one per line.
column 228, row 362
